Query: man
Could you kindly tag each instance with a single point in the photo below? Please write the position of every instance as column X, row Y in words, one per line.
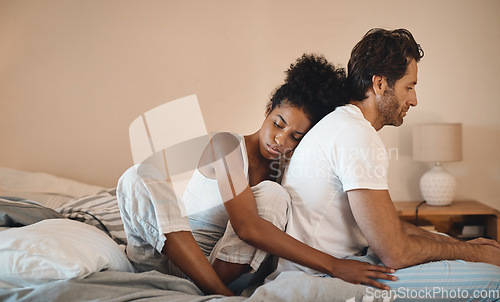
column 337, row 177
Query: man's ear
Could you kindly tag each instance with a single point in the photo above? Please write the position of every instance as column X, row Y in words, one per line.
column 379, row 84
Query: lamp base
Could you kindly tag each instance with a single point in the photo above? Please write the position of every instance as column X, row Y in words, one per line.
column 438, row 187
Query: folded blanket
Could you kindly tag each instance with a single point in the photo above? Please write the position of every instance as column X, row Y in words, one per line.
column 99, row 210
column 16, row 212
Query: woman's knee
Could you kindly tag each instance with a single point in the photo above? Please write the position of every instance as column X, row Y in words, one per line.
column 272, row 202
column 137, row 174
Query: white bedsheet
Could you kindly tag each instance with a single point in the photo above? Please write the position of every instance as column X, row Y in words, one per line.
column 16, row 180
column 49, row 190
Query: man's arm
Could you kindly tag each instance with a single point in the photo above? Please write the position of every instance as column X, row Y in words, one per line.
column 411, row 229
column 375, row 214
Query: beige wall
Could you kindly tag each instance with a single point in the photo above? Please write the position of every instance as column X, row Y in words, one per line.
column 74, row 74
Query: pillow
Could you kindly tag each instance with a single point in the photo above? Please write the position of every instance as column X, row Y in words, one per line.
column 56, row 249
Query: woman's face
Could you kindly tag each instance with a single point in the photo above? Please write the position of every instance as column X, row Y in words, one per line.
column 282, row 130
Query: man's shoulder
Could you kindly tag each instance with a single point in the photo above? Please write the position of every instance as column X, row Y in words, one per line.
column 346, row 116
column 341, row 129
column 346, row 123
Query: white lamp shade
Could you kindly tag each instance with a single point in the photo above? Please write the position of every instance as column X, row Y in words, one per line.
column 437, row 142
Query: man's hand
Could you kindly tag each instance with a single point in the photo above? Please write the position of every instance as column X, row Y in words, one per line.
column 485, row 241
column 490, row 250
column 488, row 253
column 358, row 272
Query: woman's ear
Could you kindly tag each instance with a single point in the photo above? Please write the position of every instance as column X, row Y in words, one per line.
column 379, row 84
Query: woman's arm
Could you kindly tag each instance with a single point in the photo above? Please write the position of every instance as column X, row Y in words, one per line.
column 184, row 252
column 241, row 207
column 262, row 234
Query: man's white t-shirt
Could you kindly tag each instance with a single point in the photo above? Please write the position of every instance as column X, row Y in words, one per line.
column 342, row 152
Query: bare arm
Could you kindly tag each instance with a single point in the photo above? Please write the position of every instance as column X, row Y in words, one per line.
column 411, row 229
column 399, row 245
column 184, row 252
column 262, row 234
column 241, row 207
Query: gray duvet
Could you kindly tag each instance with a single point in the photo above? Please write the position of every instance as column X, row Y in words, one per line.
column 154, row 286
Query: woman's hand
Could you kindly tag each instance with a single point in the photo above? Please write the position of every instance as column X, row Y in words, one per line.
column 359, row 272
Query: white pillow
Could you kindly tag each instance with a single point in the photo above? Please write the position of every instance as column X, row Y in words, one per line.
column 56, row 249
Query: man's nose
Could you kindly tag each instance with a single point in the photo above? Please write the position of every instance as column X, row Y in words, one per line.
column 413, row 100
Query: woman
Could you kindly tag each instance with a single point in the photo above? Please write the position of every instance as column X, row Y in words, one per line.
column 239, row 210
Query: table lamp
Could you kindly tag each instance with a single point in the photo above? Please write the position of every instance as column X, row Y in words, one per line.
column 437, row 143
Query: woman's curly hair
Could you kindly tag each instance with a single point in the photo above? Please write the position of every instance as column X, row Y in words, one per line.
column 313, row 85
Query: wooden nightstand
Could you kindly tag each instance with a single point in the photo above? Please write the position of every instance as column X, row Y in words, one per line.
column 445, row 219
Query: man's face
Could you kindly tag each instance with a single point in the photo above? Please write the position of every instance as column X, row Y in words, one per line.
column 397, row 100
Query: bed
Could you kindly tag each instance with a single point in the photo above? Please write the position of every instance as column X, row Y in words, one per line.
column 62, row 240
